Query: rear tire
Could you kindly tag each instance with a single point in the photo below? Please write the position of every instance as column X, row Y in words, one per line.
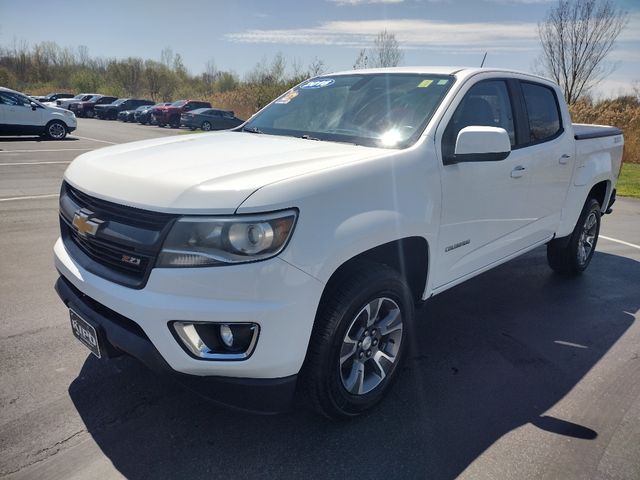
column 358, row 340
column 90, row 114
column 573, row 257
column 206, row 126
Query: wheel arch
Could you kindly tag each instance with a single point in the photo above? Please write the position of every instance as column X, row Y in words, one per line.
column 409, row 256
column 601, row 191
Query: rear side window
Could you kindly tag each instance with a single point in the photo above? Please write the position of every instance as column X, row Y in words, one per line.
column 543, row 112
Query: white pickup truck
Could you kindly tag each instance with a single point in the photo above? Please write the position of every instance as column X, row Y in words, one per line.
column 291, row 251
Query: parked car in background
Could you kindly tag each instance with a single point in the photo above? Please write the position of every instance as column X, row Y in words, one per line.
column 87, row 109
column 22, row 115
column 209, row 119
column 170, row 114
column 110, row 111
column 129, row 115
column 52, row 97
column 66, row 102
column 144, row 116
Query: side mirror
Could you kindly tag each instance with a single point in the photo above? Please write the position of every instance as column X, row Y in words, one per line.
column 481, row 144
column 33, row 106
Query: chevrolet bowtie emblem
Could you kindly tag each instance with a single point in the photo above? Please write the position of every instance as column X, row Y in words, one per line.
column 84, row 224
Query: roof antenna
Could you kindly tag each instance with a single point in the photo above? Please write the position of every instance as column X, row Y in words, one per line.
column 483, row 59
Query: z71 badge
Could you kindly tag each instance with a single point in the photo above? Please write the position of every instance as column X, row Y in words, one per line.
column 131, row 260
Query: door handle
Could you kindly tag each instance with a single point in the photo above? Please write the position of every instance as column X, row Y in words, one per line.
column 518, row 171
column 564, row 159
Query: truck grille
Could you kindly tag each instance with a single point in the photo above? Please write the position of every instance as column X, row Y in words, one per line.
column 124, row 245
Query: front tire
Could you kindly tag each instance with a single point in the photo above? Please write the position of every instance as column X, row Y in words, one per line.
column 358, row 341
column 573, row 257
column 206, row 126
column 56, row 130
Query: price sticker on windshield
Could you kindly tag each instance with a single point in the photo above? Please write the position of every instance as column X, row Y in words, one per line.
column 425, row 83
column 287, row 97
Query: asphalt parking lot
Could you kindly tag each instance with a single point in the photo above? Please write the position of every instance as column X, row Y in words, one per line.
column 516, row 374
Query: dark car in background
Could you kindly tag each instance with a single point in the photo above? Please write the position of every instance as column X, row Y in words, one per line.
column 52, row 97
column 110, row 111
column 129, row 115
column 144, row 116
column 170, row 114
column 87, row 108
column 210, row 119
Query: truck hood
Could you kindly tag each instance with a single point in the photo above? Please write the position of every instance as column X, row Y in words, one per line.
column 210, row 173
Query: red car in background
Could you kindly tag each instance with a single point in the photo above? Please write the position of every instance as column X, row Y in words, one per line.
column 170, row 114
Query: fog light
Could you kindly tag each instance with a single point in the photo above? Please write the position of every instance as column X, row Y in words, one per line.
column 215, row 341
column 226, row 335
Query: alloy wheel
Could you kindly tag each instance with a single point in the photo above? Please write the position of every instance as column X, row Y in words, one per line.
column 371, row 345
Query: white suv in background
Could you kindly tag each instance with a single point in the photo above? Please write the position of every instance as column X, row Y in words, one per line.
column 21, row 115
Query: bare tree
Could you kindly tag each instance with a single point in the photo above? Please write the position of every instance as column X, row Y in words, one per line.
column 576, row 37
column 362, row 60
column 316, row 67
column 386, row 52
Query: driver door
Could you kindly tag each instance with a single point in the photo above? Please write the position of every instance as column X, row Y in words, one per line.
column 484, row 203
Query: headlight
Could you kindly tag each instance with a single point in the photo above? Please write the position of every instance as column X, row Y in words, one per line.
column 208, row 241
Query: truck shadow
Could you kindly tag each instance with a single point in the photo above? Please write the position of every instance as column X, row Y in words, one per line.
column 490, row 356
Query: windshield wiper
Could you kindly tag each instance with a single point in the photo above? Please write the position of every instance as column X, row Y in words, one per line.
column 252, row 130
column 309, row 137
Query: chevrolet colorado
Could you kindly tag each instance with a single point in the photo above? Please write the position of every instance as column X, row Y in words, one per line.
column 291, row 251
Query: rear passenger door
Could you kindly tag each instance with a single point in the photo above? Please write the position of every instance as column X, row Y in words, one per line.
column 551, row 152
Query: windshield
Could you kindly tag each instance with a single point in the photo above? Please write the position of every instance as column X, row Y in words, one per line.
column 382, row 110
column 179, row 103
column 118, row 102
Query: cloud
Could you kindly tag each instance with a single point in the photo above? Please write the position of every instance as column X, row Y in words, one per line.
column 412, row 34
column 353, row 3
column 521, row 2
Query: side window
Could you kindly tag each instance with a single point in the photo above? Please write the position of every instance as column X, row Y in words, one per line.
column 486, row 104
column 13, row 99
column 7, row 99
column 542, row 109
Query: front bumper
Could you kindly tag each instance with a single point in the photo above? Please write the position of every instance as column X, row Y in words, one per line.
column 280, row 298
column 124, row 336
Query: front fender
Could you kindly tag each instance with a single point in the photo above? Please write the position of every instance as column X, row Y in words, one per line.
column 347, row 210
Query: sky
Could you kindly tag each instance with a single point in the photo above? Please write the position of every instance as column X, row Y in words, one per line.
column 238, row 34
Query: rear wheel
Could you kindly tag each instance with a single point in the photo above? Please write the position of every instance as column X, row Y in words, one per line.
column 56, row 130
column 572, row 257
column 90, row 113
column 358, row 340
column 206, row 126
column 174, row 122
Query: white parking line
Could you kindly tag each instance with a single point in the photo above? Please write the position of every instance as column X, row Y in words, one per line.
column 96, row 140
column 620, row 241
column 13, row 164
column 47, row 151
column 28, row 197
